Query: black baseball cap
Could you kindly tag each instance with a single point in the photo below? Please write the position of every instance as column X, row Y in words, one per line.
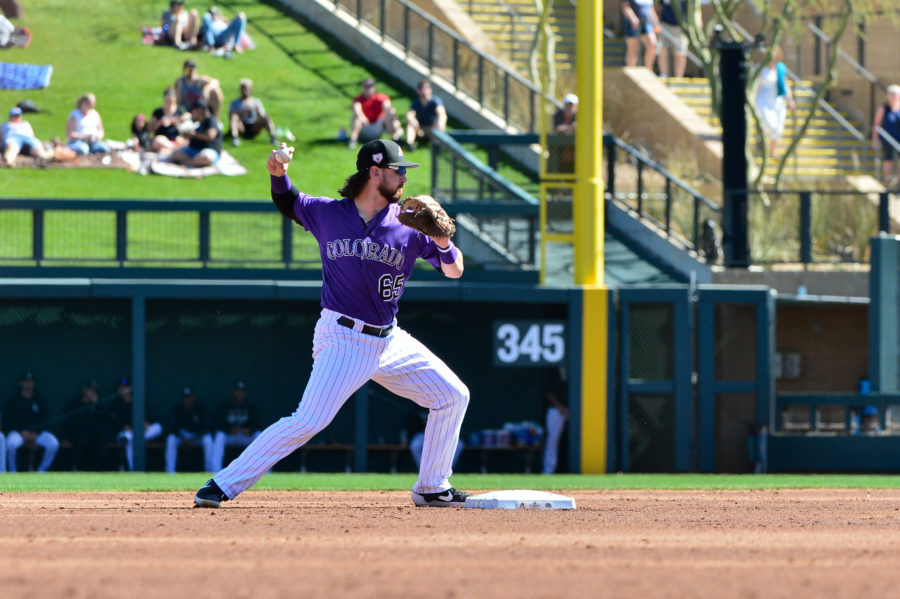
column 381, row 153
column 27, row 376
column 201, row 103
column 189, row 63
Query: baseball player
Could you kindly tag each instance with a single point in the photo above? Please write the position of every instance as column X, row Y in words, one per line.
column 367, row 257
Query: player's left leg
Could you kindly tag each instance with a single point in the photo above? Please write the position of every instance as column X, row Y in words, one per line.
column 411, row 370
column 343, row 360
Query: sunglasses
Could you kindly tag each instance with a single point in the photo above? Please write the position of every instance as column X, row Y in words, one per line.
column 401, row 170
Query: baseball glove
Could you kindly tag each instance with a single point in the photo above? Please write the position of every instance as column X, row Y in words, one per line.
column 424, row 214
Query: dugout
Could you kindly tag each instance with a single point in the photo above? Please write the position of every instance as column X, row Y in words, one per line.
column 206, row 334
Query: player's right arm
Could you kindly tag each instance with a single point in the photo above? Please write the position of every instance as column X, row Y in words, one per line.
column 283, row 193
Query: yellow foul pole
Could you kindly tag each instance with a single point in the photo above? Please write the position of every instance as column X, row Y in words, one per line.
column 588, row 229
column 588, row 208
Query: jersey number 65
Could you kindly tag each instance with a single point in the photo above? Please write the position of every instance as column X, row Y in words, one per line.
column 390, row 287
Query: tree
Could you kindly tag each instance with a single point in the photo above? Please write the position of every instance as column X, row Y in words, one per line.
column 779, row 18
column 543, row 46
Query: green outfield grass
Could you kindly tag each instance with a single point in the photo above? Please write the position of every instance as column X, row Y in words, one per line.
column 117, row 481
column 306, row 82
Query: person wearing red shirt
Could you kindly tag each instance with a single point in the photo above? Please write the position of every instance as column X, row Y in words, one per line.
column 373, row 115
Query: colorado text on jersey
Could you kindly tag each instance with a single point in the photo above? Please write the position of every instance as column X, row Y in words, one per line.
column 365, row 250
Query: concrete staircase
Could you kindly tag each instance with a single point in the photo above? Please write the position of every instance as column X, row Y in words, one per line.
column 613, row 51
column 511, row 25
column 826, row 150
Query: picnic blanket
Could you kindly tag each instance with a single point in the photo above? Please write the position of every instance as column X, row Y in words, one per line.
column 151, row 162
column 112, row 160
column 24, row 76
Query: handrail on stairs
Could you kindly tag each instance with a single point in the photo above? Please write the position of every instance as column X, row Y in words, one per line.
column 503, row 103
column 866, row 74
column 693, row 237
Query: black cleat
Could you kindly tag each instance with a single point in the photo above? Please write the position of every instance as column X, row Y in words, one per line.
column 449, row 498
column 210, row 495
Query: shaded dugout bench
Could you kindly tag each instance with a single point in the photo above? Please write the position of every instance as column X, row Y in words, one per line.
column 836, row 432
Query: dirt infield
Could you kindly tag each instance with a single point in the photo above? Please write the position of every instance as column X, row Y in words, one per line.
column 310, row 544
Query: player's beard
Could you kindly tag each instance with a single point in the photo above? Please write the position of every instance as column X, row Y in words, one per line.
column 392, row 195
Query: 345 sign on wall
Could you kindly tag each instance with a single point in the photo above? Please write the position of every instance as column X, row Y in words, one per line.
column 529, row 342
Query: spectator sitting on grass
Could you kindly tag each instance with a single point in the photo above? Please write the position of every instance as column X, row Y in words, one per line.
column 248, row 117
column 179, row 26
column 84, row 129
column 373, row 115
column 220, row 36
column 166, row 123
column 18, row 137
column 192, row 87
column 427, row 112
column 205, row 143
column 140, row 133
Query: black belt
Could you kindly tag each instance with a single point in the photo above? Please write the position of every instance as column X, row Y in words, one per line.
column 366, row 329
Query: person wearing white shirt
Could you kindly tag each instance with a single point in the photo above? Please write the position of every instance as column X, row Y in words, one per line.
column 84, row 129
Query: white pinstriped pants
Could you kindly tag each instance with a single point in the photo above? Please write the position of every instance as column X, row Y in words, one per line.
column 343, row 360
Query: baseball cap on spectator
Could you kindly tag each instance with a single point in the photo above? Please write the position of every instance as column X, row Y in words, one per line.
column 570, row 99
column 368, row 82
column 189, row 63
column 240, row 385
column 381, row 153
column 201, row 103
column 91, row 384
column 123, row 382
column 187, row 392
column 15, row 111
column 27, row 376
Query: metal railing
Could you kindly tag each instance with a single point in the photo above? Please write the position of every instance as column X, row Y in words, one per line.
column 443, row 53
column 656, row 196
column 812, row 226
column 124, row 234
column 206, row 239
column 501, row 215
column 874, row 83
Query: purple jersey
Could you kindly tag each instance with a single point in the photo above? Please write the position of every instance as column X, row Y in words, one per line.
column 364, row 268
